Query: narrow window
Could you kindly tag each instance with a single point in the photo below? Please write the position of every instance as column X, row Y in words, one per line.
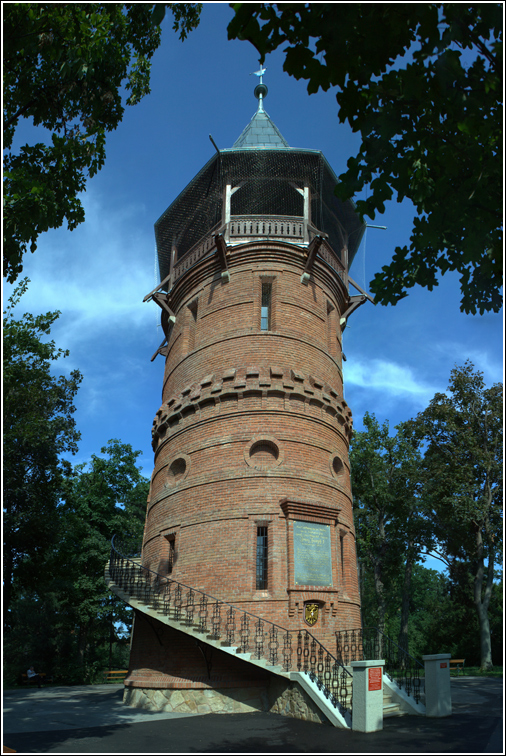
column 261, row 558
column 171, row 555
column 341, row 544
column 193, row 325
column 265, row 314
column 332, row 338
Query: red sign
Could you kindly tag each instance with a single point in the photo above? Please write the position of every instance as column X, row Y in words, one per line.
column 443, row 665
column 375, row 678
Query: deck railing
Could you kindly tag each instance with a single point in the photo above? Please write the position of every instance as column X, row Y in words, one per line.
column 242, row 228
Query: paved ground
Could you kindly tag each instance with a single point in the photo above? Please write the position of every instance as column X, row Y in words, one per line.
column 93, row 720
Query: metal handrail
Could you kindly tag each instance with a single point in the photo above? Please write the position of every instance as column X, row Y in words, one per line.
column 166, row 594
column 402, row 650
column 352, row 645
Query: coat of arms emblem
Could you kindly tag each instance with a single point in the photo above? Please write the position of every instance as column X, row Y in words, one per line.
column 311, row 613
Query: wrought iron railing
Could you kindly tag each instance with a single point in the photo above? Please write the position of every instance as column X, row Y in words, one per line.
column 370, row 643
column 235, row 627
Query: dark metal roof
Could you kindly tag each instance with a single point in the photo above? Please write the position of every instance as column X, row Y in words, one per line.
column 261, row 133
column 264, row 168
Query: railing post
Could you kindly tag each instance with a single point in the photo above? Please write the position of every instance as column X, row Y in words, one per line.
column 367, row 712
column 438, row 697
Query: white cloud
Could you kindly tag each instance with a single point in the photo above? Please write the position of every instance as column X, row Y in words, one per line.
column 389, row 378
column 97, row 275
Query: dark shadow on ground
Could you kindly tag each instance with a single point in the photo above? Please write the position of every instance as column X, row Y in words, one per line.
column 475, row 727
column 268, row 733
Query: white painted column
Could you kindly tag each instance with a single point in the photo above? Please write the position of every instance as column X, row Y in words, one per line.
column 367, row 704
column 438, row 697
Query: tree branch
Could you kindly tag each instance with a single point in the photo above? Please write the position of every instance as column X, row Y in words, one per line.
column 20, row 112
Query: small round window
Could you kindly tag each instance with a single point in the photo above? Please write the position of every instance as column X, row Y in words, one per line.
column 263, row 453
column 178, row 470
column 337, row 466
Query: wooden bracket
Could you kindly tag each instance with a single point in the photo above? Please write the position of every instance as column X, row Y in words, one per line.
column 161, row 301
column 358, row 288
column 160, row 350
column 312, row 251
column 353, row 303
column 162, row 283
column 221, row 252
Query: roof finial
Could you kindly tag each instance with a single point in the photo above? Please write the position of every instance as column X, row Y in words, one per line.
column 260, row 89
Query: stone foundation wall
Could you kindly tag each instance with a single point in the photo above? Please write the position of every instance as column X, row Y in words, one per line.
column 279, row 697
column 288, row 699
column 200, row 701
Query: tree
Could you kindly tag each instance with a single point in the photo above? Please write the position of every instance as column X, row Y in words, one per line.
column 391, row 529
column 38, row 428
column 105, row 497
column 425, row 95
column 463, row 485
column 68, row 622
column 64, row 67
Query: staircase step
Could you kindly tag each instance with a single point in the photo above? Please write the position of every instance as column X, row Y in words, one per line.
column 392, row 710
column 158, row 611
column 276, row 668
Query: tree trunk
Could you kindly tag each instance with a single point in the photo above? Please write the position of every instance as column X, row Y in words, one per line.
column 7, row 578
column 380, row 598
column 485, row 640
column 482, row 599
column 360, row 573
column 406, row 589
column 83, row 644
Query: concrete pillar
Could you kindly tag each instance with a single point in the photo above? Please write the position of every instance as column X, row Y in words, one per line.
column 438, row 698
column 367, row 704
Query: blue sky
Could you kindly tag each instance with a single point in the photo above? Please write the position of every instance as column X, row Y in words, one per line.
column 97, row 275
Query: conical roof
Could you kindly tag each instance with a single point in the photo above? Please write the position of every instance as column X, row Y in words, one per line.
column 269, row 174
column 261, row 133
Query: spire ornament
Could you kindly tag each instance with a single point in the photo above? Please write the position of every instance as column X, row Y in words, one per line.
column 260, row 89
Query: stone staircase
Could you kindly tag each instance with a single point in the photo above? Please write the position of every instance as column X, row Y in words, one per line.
column 334, row 715
column 171, row 616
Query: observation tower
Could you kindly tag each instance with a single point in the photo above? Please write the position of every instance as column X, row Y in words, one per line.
column 249, row 523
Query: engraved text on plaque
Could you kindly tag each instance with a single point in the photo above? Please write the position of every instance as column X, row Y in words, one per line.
column 312, row 560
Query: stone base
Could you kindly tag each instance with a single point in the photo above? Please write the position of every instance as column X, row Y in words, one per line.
column 288, row 699
column 198, row 701
column 280, row 697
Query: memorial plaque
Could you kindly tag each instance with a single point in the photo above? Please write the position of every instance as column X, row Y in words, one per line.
column 312, row 558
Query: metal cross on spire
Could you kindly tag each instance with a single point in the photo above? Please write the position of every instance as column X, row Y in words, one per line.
column 259, row 73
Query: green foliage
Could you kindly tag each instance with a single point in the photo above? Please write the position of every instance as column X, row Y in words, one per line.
column 71, row 626
column 59, row 521
column 463, row 485
column 65, row 65
column 425, row 94
column 390, row 529
column 38, row 427
column 104, row 497
column 447, row 501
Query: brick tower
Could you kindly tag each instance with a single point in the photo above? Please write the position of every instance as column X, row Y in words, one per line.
column 250, row 497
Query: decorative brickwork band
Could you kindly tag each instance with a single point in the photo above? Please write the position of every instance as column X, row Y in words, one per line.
column 307, row 390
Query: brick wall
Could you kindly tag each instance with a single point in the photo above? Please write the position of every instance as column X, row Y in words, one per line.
column 253, row 431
